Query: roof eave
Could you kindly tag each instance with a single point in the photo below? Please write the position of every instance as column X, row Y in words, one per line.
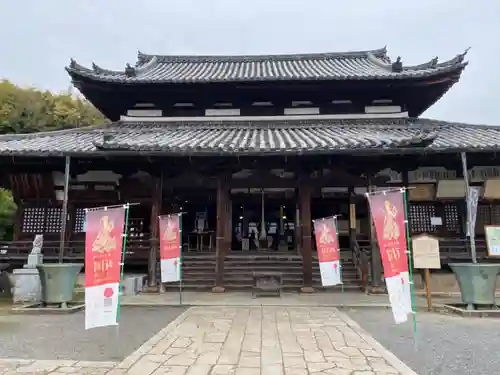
column 258, row 153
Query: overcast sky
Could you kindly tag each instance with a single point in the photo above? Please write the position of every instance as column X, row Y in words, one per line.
column 39, row 37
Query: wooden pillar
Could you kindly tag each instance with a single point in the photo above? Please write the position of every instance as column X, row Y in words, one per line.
column 306, row 231
column 153, row 230
column 228, row 228
column 298, row 230
column 220, row 234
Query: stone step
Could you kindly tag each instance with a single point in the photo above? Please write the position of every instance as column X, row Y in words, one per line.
column 204, row 287
column 228, row 274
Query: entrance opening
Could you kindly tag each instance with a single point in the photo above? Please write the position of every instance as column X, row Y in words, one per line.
column 263, row 220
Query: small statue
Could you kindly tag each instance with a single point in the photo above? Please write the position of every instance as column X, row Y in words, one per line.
column 37, row 245
column 397, row 67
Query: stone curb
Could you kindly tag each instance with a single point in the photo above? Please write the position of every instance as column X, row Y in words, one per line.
column 385, row 353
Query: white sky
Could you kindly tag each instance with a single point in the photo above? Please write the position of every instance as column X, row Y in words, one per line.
column 39, row 37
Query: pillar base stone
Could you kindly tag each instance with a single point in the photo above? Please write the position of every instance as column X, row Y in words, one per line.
column 151, row 289
column 376, row 290
column 218, row 289
column 307, row 290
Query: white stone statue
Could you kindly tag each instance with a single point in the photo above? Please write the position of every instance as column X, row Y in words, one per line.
column 37, row 245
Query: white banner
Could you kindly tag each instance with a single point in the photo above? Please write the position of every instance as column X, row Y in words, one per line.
column 330, row 273
column 101, row 305
column 399, row 298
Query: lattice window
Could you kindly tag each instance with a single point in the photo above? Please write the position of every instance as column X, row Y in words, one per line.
column 452, row 222
column 136, row 227
column 483, row 218
column 34, row 220
column 53, row 222
column 495, row 214
column 420, row 218
column 79, row 222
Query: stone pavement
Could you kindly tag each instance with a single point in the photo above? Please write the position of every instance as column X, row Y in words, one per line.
column 25, row 366
column 262, row 341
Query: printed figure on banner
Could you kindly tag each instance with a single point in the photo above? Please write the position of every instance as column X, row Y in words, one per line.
column 328, row 251
column 103, row 256
column 170, row 248
column 388, row 213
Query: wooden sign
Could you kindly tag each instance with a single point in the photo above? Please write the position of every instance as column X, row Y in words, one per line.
column 492, row 233
column 492, row 189
column 450, row 189
column 425, row 251
column 422, row 192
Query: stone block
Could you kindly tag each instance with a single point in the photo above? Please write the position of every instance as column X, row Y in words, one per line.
column 129, row 286
column 34, row 259
column 27, row 285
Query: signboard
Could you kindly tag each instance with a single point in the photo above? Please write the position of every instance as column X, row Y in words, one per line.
column 425, row 250
column 170, row 248
column 103, row 257
column 325, row 231
column 492, row 240
column 388, row 214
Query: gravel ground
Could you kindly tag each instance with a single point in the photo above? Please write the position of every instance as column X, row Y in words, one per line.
column 64, row 336
column 445, row 345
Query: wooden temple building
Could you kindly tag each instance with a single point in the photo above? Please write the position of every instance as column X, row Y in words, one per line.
column 252, row 149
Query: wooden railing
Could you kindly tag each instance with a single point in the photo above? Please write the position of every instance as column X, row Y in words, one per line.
column 361, row 255
column 137, row 249
column 452, row 250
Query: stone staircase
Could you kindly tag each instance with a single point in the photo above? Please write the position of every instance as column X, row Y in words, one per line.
column 198, row 271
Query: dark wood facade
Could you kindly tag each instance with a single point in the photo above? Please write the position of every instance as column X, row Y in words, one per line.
column 314, row 187
column 251, row 149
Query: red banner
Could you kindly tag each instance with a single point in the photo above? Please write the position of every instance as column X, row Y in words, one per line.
column 103, row 246
column 325, row 231
column 388, row 213
column 170, row 236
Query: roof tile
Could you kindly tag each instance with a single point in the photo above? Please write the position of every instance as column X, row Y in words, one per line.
column 258, row 137
column 373, row 64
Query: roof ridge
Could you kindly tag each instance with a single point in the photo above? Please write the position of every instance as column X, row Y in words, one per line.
column 459, row 124
column 143, row 57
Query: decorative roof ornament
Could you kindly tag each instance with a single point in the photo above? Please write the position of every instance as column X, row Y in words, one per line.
column 130, row 71
column 433, row 62
column 461, row 57
column 397, row 66
column 72, row 63
column 142, row 58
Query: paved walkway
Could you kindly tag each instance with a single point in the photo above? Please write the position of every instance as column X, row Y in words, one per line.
column 24, row 366
column 261, row 341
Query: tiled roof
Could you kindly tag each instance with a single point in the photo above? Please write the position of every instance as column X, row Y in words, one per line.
column 362, row 65
column 258, row 137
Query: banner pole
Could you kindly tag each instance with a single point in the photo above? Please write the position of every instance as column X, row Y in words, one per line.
column 122, row 265
column 340, row 257
column 410, row 265
column 180, row 258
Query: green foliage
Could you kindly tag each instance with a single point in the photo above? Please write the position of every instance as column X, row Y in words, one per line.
column 8, row 210
column 28, row 110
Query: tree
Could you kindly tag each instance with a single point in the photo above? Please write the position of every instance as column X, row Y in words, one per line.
column 7, row 212
column 28, row 110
